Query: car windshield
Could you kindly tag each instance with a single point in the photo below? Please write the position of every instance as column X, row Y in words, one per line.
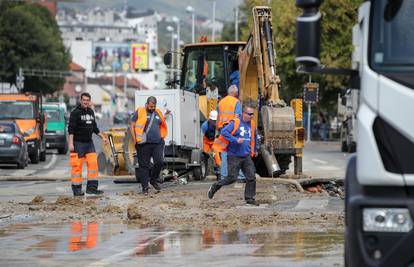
column 392, row 36
column 7, row 128
column 53, row 115
column 17, row 110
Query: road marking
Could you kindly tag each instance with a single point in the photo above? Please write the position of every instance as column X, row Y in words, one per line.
column 319, row 161
column 115, row 258
column 52, row 162
column 311, row 204
column 329, row 168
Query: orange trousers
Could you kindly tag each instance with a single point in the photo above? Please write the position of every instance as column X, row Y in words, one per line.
column 77, row 164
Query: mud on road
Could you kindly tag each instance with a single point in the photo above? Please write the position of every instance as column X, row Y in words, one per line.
column 186, row 206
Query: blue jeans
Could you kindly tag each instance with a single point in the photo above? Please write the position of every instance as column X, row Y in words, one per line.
column 223, row 169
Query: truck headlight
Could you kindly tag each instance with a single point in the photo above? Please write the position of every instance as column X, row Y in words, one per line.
column 387, row 220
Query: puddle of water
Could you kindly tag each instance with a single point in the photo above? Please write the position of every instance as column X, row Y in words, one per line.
column 96, row 244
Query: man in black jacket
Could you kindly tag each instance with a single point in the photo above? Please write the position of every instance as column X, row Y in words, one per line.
column 82, row 125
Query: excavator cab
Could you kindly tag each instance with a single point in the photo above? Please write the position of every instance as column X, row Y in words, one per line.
column 206, row 70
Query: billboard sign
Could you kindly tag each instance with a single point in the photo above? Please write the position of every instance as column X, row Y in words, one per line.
column 140, row 56
column 111, row 57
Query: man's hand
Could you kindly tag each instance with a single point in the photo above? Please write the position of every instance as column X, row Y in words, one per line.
column 71, row 147
column 167, row 112
column 105, row 140
column 240, row 140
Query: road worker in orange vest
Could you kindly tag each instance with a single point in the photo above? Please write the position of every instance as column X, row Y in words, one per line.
column 228, row 108
column 82, row 125
column 208, row 130
column 149, row 129
column 238, row 138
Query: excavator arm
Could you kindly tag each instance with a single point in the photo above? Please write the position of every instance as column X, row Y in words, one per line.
column 279, row 125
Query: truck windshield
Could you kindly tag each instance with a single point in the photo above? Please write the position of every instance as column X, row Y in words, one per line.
column 392, row 48
column 214, row 67
column 53, row 115
column 17, row 110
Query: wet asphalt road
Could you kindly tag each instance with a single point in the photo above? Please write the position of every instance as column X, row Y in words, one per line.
column 82, row 243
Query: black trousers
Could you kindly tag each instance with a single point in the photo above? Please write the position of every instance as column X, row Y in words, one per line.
column 146, row 172
column 247, row 166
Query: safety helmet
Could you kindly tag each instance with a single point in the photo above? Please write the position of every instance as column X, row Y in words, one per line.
column 213, row 115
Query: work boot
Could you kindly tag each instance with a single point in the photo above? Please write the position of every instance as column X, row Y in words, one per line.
column 145, row 191
column 77, row 190
column 156, row 186
column 92, row 188
column 251, row 202
column 213, row 189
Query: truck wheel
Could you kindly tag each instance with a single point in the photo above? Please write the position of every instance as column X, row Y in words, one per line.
column 352, row 147
column 344, row 147
column 198, row 173
column 43, row 155
column 63, row 151
column 129, row 150
column 34, row 158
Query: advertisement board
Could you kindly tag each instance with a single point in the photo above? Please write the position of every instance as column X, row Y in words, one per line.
column 140, row 56
column 111, row 57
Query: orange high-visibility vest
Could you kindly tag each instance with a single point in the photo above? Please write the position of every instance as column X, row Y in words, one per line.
column 221, row 143
column 142, row 120
column 226, row 108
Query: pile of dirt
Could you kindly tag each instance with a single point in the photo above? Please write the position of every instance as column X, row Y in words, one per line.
column 37, row 200
column 65, row 200
column 112, row 209
column 133, row 212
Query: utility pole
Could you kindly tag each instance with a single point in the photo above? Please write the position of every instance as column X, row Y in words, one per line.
column 213, row 35
column 236, row 22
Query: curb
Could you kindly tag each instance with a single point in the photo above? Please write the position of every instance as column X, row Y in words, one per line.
column 51, row 179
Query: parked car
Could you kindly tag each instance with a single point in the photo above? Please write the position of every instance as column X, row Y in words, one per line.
column 13, row 147
column 56, row 133
column 121, row 118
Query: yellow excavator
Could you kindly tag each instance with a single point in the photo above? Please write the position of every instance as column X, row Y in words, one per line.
column 208, row 69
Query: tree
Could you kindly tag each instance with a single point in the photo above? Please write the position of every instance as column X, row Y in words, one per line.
column 336, row 44
column 30, row 39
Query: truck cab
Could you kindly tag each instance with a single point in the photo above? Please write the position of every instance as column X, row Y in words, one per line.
column 26, row 110
column 379, row 182
column 56, row 128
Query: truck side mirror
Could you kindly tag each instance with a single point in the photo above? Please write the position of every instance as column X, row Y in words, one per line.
column 308, row 33
column 168, row 58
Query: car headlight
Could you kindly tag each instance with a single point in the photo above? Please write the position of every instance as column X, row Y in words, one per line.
column 387, row 220
column 60, row 132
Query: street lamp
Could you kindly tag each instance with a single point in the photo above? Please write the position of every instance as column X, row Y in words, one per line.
column 191, row 10
column 171, row 30
column 177, row 21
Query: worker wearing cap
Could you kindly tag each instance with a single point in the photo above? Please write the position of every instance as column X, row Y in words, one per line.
column 208, row 129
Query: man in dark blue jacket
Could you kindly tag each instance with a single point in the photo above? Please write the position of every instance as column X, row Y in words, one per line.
column 240, row 136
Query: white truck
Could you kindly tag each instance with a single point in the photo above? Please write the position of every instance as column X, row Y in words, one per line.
column 183, row 142
column 379, row 182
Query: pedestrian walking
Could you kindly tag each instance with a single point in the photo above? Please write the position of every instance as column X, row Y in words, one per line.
column 82, row 125
column 208, row 130
column 238, row 138
column 148, row 127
